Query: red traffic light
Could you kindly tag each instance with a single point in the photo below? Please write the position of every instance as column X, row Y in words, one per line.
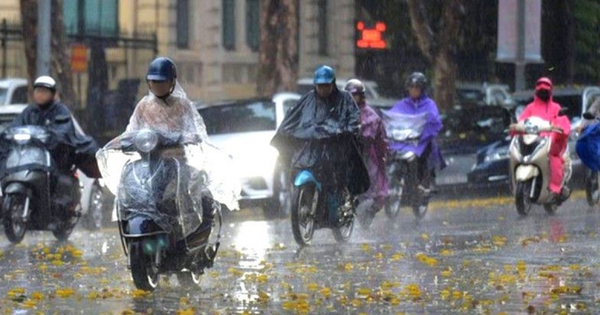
column 371, row 37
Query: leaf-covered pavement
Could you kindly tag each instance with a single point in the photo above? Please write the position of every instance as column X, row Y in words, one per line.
column 466, row 257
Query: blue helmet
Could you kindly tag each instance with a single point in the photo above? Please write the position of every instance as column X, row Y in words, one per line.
column 324, row 75
column 161, row 69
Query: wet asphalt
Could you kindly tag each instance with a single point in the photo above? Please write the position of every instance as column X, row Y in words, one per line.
column 469, row 255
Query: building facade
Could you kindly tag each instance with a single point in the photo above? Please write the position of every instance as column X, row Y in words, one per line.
column 215, row 43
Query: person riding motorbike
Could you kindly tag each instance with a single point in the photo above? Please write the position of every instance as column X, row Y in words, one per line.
column 544, row 107
column 375, row 148
column 167, row 110
column 71, row 146
column 427, row 150
column 321, row 133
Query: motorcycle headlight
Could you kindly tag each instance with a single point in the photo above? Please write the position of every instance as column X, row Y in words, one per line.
column 22, row 138
column 146, row 141
column 496, row 155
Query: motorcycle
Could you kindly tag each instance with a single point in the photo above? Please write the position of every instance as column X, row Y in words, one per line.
column 36, row 196
column 403, row 179
column 167, row 219
column 314, row 206
column 530, row 165
column 592, row 188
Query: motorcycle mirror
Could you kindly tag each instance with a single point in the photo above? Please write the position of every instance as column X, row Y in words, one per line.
column 588, row 115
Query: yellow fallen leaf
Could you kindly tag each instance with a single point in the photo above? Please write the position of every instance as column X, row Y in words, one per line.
column 313, row 287
column 325, row 292
column 188, row 311
column 425, row 237
column 65, row 292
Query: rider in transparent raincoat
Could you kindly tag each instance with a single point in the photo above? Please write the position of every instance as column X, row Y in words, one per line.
column 205, row 174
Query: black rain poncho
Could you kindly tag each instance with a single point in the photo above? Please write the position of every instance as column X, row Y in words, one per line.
column 70, row 145
column 322, row 135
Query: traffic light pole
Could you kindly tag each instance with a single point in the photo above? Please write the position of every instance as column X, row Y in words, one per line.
column 43, row 53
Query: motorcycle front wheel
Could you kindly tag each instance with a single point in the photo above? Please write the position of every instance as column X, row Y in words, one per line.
column 304, row 205
column 522, row 199
column 394, row 200
column 143, row 270
column 14, row 226
column 592, row 189
column 343, row 232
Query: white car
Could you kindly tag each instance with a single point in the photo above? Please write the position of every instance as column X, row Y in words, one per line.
column 13, row 91
column 92, row 190
column 243, row 129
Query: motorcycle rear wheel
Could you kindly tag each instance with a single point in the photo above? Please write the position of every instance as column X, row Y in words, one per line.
column 343, row 233
column 191, row 278
column 14, row 227
column 65, row 228
column 303, row 212
column 550, row 208
column 145, row 275
column 522, row 199
column 420, row 210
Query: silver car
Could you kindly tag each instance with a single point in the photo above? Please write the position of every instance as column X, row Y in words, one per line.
column 244, row 128
column 92, row 190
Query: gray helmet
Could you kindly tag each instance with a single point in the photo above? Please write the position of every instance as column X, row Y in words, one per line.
column 355, row 86
column 417, row 79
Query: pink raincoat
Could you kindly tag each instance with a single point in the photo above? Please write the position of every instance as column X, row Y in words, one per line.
column 549, row 111
column 374, row 152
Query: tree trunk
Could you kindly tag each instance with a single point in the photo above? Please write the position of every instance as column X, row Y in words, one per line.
column 439, row 47
column 29, row 25
column 60, row 63
column 278, row 53
column 97, row 89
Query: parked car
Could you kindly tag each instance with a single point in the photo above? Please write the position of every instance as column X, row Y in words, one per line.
column 483, row 94
column 244, row 128
column 465, row 130
column 491, row 165
column 13, row 91
column 93, row 210
column 305, row 85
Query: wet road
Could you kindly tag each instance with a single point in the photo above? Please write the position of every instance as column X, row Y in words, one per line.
column 469, row 256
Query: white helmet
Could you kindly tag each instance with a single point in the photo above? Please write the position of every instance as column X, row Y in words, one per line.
column 45, row 81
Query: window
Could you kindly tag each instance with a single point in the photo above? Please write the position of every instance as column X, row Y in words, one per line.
column 19, row 96
column 229, row 24
column 323, row 28
column 253, row 24
column 183, row 21
column 239, row 117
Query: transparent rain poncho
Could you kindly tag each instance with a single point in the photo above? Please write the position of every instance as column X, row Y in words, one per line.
column 204, row 168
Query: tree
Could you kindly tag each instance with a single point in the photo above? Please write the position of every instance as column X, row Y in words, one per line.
column 61, row 69
column 278, row 52
column 436, row 32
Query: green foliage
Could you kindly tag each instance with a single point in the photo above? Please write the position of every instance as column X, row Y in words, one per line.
column 586, row 19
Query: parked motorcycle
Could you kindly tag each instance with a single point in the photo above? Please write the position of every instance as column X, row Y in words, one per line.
column 36, row 195
column 315, row 207
column 530, row 165
column 168, row 221
column 403, row 179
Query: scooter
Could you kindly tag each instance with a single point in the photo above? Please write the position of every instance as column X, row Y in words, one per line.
column 314, row 206
column 36, row 196
column 530, row 165
column 164, row 228
column 403, row 165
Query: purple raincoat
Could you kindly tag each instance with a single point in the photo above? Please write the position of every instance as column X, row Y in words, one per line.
column 375, row 149
column 408, row 106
